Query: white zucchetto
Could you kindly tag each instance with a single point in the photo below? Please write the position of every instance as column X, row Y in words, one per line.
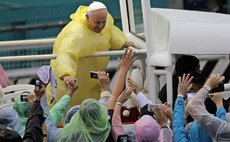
column 96, row 6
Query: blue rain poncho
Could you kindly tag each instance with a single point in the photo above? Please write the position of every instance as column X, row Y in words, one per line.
column 10, row 118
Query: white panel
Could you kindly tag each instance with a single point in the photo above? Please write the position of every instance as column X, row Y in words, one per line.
column 186, row 32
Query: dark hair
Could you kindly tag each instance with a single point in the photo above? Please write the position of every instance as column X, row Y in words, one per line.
column 198, row 78
column 9, row 135
column 186, row 64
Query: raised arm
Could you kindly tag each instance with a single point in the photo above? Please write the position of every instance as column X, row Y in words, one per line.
column 215, row 127
column 178, row 115
column 104, row 82
column 140, row 98
column 167, row 108
column 117, row 128
column 165, row 132
column 218, row 100
column 125, row 64
column 33, row 131
column 59, row 109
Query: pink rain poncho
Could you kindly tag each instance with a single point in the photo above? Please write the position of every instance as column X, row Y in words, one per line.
column 4, row 80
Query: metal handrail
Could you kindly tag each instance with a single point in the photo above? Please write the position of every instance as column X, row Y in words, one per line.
column 53, row 56
column 30, row 42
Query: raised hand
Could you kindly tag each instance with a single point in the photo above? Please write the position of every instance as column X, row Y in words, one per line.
column 167, row 108
column 127, row 61
column 104, row 81
column 184, row 84
column 71, row 87
column 125, row 95
column 160, row 116
column 217, row 99
column 70, row 80
column 39, row 91
column 214, row 80
column 132, row 84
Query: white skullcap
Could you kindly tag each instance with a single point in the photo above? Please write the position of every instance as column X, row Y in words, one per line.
column 96, row 6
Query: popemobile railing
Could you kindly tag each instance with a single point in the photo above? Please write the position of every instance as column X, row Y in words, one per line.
column 37, row 43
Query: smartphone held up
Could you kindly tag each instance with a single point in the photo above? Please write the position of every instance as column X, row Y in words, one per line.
column 93, row 74
column 151, row 107
column 24, row 96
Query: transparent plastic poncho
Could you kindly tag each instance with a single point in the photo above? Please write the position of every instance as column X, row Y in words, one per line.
column 10, row 118
column 89, row 124
column 23, row 110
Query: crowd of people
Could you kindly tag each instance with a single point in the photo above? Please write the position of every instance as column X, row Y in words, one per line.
column 63, row 94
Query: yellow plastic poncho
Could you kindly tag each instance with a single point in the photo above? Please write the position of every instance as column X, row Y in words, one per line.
column 73, row 44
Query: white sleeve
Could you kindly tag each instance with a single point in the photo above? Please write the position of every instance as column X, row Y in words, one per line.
column 105, row 94
column 142, row 100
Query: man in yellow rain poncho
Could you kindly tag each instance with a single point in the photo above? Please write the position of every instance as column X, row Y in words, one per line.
column 91, row 30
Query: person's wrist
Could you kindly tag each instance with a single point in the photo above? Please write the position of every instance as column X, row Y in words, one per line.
column 164, row 127
column 38, row 97
column 124, row 69
column 170, row 117
column 207, row 87
column 119, row 103
column 180, row 95
column 163, row 124
column 63, row 77
column 105, row 94
column 120, row 100
column 70, row 93
column 219, row 104
column 104, row 89
column 136, row 91
column 44, row 135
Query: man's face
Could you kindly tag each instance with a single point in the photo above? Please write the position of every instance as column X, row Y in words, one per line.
column 97, row 20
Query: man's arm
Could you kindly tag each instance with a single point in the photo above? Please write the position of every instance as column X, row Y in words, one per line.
column 118, row 39
column 104, row 82
column 117, row 127
column 178, row 116
column 59, row 109
column 125, row 64
column 139, row 97
column 218, row 100
column 165, row 132
column 165, row 135
column 178, row 121
column 215, row 127
column 33, row 131
column 68, row 52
